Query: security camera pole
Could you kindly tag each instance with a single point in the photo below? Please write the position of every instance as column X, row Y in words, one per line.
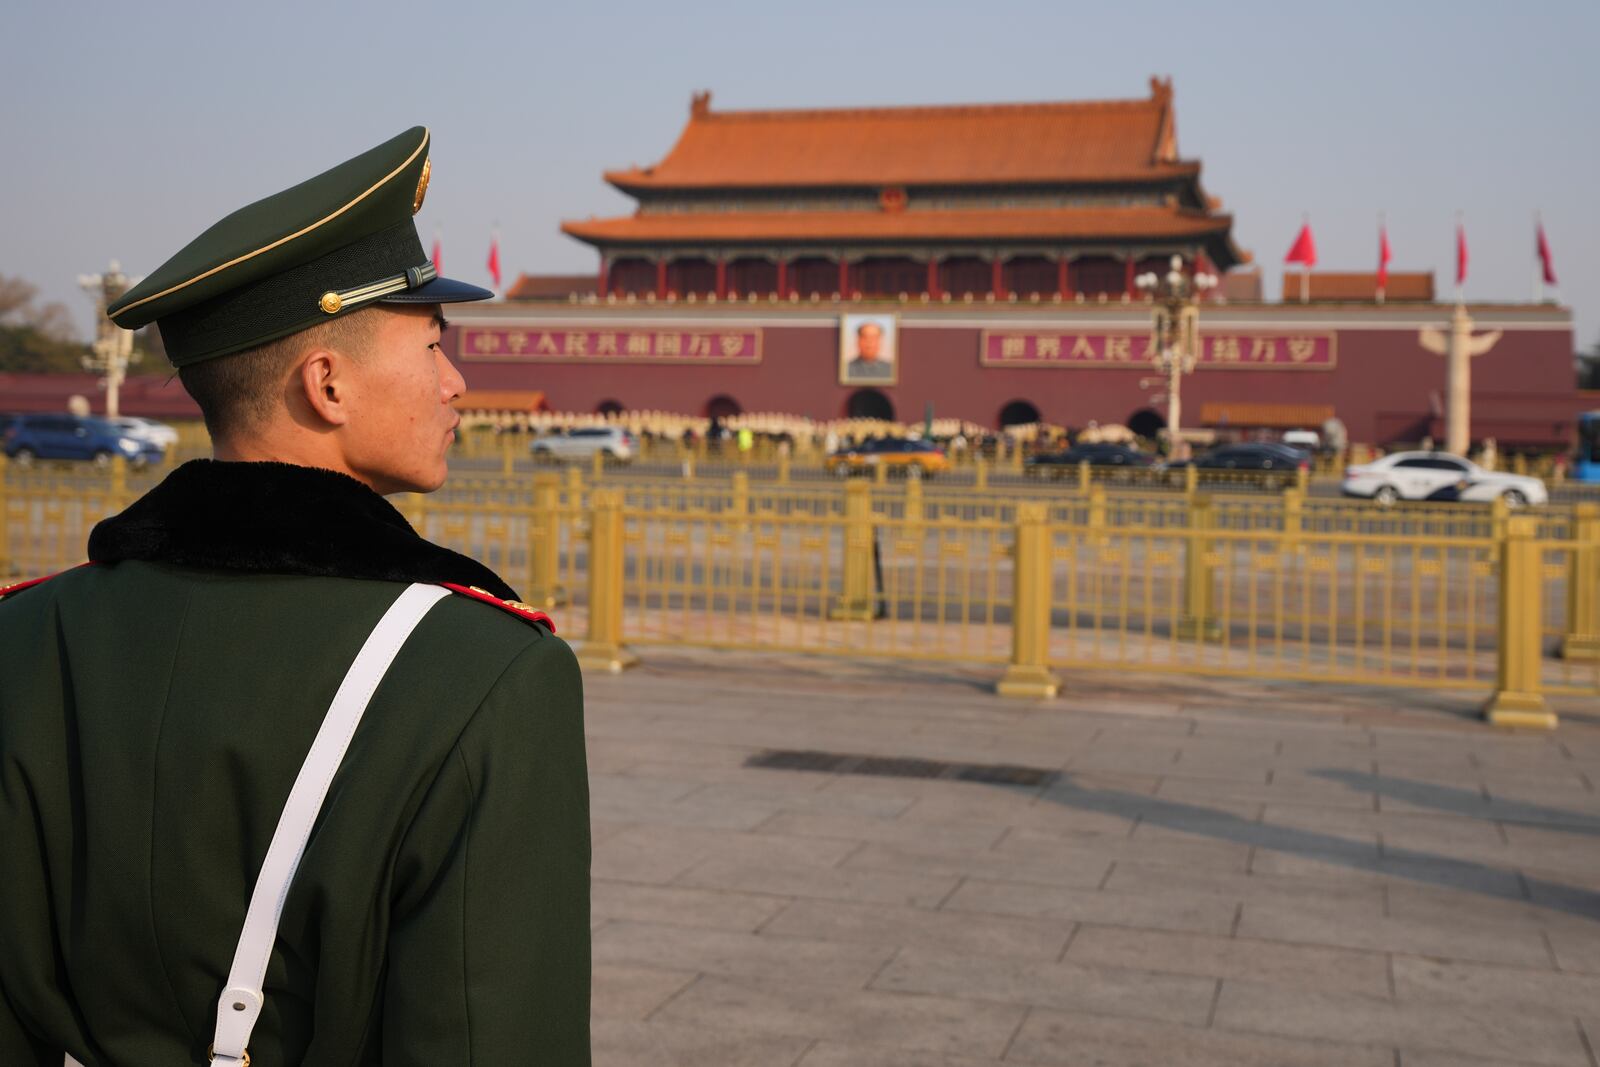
column 112, row 348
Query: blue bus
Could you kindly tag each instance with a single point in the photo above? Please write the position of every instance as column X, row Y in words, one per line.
column 1586, row 464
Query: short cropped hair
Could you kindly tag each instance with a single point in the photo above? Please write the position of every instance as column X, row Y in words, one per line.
column 237, row 393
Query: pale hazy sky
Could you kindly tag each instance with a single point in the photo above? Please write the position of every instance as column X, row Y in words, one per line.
column 130, row 128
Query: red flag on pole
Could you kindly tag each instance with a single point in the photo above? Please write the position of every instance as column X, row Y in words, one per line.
column 438, row 255
column 1304, row 251
column 1384, row 255
column 1461, row 255
column 1545, row 260
column 494, row 259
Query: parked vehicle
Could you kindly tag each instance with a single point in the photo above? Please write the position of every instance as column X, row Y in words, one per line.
column 1063, row 464
column 891, row 453
column 1586, row 463
column 1273, row 462
column 135, row 426
column 1438, row 476
column 32, row 437
column 613, row 442
column 1309, row 440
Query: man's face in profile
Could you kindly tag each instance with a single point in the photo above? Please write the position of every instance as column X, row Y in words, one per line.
column 869, row 340
column 406, row 384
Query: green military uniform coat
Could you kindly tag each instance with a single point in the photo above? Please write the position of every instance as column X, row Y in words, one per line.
column 154, row 711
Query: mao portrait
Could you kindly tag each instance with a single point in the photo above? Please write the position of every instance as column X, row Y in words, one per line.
column 867, row 350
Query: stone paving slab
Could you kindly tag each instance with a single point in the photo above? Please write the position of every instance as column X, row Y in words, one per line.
column 1077, row 1040
column 1219, row 873
column 628, row 1043
column 1064, row 986
column 905, row 927
column 845, row 965
column 953, row 1025
column 1301, row 966
column 1443, row 1027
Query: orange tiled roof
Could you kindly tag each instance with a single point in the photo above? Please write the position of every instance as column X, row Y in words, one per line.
column 1247, row 414
column 1103, row 140
column 501, row 400
column 545, row 286
column 1358, row 286
column 996, row 223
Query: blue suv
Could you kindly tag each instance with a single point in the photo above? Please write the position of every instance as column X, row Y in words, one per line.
column 31, row 437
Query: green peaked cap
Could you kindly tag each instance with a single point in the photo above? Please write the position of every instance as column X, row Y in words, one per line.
column 337, row 242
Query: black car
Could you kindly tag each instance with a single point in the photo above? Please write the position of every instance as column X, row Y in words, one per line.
column 1263, row 457
column 1062, row 464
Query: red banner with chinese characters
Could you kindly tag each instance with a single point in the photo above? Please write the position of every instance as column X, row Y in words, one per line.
column 592, row 344
column 1234, row 350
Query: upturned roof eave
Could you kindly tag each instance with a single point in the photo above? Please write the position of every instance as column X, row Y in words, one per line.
column 602, row 233
column 634, row 181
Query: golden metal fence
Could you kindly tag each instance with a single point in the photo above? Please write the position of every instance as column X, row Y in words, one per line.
column 1294, row 588
column 1328, row 607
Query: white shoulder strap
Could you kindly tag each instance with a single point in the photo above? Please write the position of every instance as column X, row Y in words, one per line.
column 241, row 1002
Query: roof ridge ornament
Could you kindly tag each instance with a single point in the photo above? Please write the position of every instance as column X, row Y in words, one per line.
column 700, row 104
column 1167, row 135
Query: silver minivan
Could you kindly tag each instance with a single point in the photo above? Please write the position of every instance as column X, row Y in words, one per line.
column 616, row 443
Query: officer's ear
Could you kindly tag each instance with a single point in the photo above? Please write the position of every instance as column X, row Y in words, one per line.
column 326, row 380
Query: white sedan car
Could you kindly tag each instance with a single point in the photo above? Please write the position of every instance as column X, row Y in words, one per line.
column 1438, row 476
column 616, row 443
column 149, row 429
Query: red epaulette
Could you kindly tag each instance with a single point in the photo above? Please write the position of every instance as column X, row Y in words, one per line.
column 525, row 612
column 17, row 587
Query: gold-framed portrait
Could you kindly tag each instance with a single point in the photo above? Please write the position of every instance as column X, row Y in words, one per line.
column 869, row 349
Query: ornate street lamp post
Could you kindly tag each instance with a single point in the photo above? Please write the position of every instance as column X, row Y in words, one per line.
column 1175, row 335
column 112, row 348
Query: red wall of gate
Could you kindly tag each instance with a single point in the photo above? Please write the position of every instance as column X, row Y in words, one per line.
column 1384, row 385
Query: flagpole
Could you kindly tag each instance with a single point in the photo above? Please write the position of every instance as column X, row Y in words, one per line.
column 1383, row 267
column 1538, row 260
column 1305, row 268
column 1460, row 281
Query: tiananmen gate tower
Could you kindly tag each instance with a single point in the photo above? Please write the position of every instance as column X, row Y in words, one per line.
column 1050, row 200
column 994, row 248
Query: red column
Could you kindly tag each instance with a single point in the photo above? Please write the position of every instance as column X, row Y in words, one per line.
column 783, row 278
column 604, row 285
column 1127, row 277
column 998, row 278
column 661, row 279
column 722, row 278
column 844, row 278
column 933, row 277
column 1063, row 279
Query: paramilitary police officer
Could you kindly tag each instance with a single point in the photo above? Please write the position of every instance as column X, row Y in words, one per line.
column 158, row 706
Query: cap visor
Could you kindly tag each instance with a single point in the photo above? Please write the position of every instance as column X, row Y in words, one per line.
column 439, row 291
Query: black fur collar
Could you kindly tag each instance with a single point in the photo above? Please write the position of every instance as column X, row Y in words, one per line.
column 279, row 519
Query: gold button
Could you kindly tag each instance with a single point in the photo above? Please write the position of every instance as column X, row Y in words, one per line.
column 331, row 303
column 422, row 186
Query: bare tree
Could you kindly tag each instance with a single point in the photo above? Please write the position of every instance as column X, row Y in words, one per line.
column 16, row 297
column 18, row 308
column 34, row 336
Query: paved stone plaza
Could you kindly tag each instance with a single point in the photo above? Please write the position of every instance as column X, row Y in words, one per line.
column 1211, row 872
